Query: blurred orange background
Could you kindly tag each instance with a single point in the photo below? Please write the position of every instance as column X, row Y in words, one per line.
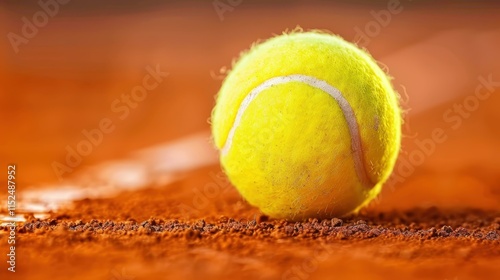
column 79, row 63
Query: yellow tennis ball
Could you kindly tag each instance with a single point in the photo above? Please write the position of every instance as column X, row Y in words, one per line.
column 308, row 125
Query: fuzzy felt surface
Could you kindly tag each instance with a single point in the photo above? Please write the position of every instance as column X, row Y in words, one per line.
column 291, row 154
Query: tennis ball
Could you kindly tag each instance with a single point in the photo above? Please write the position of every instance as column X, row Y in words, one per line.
column 308, row 125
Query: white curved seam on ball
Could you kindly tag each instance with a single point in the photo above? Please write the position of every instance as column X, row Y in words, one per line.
column 324, row 86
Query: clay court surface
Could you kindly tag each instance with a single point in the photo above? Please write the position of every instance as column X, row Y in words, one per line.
column 149, row 201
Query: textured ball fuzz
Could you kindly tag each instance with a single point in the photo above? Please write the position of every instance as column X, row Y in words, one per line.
column 308, row 125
